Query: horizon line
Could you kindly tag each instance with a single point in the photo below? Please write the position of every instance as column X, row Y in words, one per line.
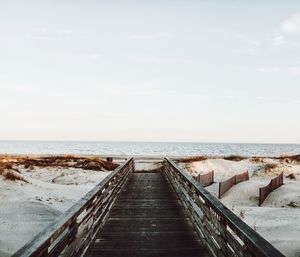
column 141, row 141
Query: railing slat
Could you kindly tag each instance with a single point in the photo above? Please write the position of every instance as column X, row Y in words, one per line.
column 239, row 239
column 58, row 235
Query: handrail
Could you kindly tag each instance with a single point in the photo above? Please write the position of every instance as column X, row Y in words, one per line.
column 221, row 231
column 72, row 231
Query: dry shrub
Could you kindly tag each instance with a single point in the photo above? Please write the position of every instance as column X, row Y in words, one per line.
column 235, row 158
column 69, row 162
column 289, row 159
column 257, row 159
column 242, row 214
column 13, row 176
column 295, row 158
column 192, row 159
column 10, row 174
column 27, row 165
column 293, row 204
column 286, row 160
column 270, row 166
column 291, row 176
column 7, row 166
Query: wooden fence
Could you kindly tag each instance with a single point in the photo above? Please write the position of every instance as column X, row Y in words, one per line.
column 205, row 179
column 266, row 190
column 71, row 233
column 229, row 183
column 221, row 231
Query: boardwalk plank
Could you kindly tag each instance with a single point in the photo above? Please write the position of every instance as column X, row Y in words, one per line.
column 147, row 220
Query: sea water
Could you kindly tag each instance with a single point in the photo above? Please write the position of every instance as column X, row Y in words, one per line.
column 145, row 148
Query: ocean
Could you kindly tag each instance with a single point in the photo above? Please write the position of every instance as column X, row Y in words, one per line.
column 145, row 148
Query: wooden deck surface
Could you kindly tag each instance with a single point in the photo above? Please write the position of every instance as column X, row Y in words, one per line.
column 147, row 220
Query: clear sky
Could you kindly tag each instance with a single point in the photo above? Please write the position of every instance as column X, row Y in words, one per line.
column 203, row 71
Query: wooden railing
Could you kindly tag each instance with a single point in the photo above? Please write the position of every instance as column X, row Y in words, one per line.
column 221, row 231
column 71, row 233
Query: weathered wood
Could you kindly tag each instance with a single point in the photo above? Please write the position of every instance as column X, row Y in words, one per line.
column 221, row 231
column 224, row 186
column 205, row 179
column 68, row 232
column 266, row 190
column 147, row 220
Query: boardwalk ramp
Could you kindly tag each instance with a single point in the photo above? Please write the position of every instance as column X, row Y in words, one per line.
column 147, row 219
column 148, row 214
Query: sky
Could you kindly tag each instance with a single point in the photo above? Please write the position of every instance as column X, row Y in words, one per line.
column 192, row 71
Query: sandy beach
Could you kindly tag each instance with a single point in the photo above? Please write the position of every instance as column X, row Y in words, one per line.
column 37, row 193
column 37, row 197
column 278, row 219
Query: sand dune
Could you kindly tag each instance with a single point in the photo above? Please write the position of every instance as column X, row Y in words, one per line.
column 26, row 208
column 278, row 219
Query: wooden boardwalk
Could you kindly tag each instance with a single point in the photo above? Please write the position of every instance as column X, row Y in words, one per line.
column 139, row 214
column 147, row 219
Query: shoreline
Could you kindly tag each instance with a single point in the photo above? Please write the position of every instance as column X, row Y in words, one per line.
column 143, row 156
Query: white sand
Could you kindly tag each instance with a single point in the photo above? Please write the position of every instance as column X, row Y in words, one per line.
column 26, row 208
column 276, row 220
column 146, row 165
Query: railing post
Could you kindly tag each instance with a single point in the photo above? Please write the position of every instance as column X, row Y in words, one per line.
column 221, row 231
column 61, row 238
